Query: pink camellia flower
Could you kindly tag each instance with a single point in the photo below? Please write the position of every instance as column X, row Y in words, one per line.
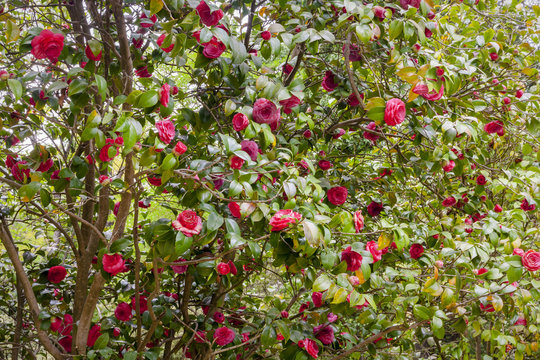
column 119, row 141
column 236, row 162
column 164, row 94
column 223, row 268
column 160, row 41
column 518, row 251
column 449, row 166
column 339, row 132
column 143, row 72
column 90, row 54
column 498, row 208
column 374, row 208
column 283, row 218
column 224, row 336
column 406, row 3
column 116, row 208
column 337, row 195
column 188, row 223
column 420, row 88
column 324, row 334
column 373, row 248
column 324, row 164
column 251, row 148
column 519, row 93
column 358, row 220
column 179, row 269
column 105, row 152
column 395, row 112
column 284, row 314
column 493, row 56
column 525, row 206
column 507, row 100
column 481, row 180
column 310, row 346
column 56, row 274
column 266, row 35
column 123, row 311
column 218, row 317
column 200, row 337
column 208, row 17
column 316, row 297
column 521, row 321
column 416, row 251
column 289, row 104
column 245, row 337
column 214, row 48
column 166, row 130
column 179, row 148
column 265, row 112
column 47, row 45
column 531, row 260
column 434, row 95
column 45, row 165
column 481, row 271
column 234, row 208
column 328, row 83
column 449, row 201
column 379, row 12
column 331, row 317
column 113, row 264
column 352, row 258
column 240, row 122
column 428, row 32
column 149, row 22
column 370, row 136
column 493, row 127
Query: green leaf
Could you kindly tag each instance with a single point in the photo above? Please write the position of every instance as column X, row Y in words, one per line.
column 168, row 163
column 322, row 283
column 437, row 327
column 239, row 53
column 235, row 188
column 268, row 336
column 77, row 86
column 514, row 273
column 45, row 197
column 101, row 85
column 12, row 31
column 364, row 33
column 155, row 6
column 283, row 329
column 183, row 243
column 120, row 245
column 148, row 99
column 101, row 342
column 214, row 221
column 396, row 27
column 27, row 192
column 421, row 312
column 16, row 88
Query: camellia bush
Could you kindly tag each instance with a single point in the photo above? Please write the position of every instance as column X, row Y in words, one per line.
column 278, row 180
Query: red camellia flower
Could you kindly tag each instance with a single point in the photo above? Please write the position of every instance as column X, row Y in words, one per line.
column 90, row 54
column 353, row 101
column 149, row 22
column 287, row 68
column 234, row 208
column 521, row 321
column 116, row 332
column 219, row 317
column 240, row 122
column 284, row 314
column 266, row 35
column 307, row 134
column 179, row 148
column 208, row 17
column 160, row 41
column 265, row 112
column 105, row 154
column 310, row 346
column 251, row 148
column 525, row 206
column 494, row 56
column 449, row 201
column 223, row 268
column 339, row 132
column 236, row 162
column 379, row 12
column 373, row 248
column 290, row 103
column 123, row 311
column 316, row 297
column 519, row 93
column 65, row 342
column 47, row 45
column 493, row 127
column 395, row 112
column 56, row 274
column 45, row 165
column 154, row 180
column 166, row 130
column 143, row 72
column 352, row 258
column 324, row 334
column 113, row 264
column 354, row 52
column 531, row 260
column 406, row 3
column 328, row 83
column 324, row 164
column 374, row 208
column 179, row 269
column 224, row 336
column 214, row 48
column 433, row 95
column 233, row 268
column 283, row 218
column 416, row 251
column 497, row 208
column 481, row 180
column 93, row 335
column 188, row 223
column 143, row 304
column 337, row 195
column 449, row 166
column 370, row 136
column 164, row 95
column 358, row 220
column 487, row 308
